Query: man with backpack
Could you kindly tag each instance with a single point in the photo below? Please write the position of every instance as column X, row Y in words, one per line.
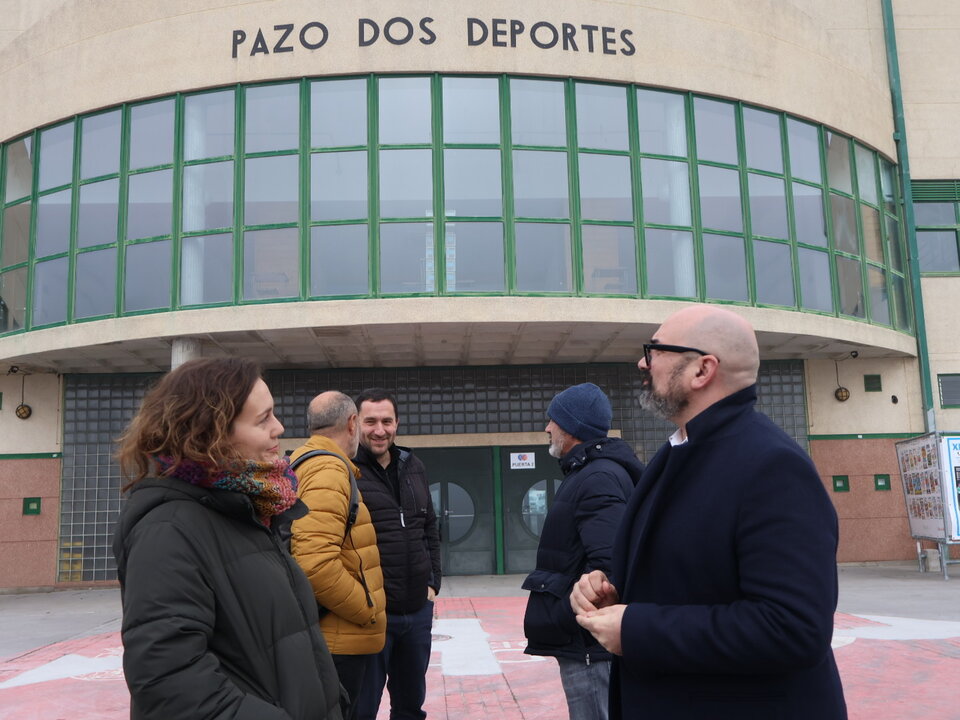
column 335, row 543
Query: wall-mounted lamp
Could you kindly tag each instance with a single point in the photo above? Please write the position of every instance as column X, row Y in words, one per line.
column 23, row 411
column 841, row 393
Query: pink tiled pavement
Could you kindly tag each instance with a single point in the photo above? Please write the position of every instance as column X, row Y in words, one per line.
column 883, row 679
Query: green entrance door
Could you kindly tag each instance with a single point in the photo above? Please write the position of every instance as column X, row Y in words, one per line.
column 530, row 478
column 462, row 487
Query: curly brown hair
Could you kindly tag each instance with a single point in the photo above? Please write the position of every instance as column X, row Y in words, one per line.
column 188, row 415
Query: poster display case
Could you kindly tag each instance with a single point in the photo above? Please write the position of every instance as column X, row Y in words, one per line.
column 930, row 473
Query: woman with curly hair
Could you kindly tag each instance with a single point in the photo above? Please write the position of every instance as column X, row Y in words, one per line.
column 218, row 619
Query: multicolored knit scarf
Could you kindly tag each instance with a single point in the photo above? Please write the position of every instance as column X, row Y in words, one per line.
column 271, row 487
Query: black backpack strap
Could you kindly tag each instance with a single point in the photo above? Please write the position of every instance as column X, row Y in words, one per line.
column 354, row 492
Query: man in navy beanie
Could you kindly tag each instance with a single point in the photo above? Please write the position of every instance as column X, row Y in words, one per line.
column 578, row 532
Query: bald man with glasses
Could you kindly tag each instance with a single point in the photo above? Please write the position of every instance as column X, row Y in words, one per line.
column 723, row 581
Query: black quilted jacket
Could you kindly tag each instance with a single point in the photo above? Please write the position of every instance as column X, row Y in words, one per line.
column 407, row 533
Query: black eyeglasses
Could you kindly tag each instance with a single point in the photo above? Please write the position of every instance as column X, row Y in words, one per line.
column 647, row 347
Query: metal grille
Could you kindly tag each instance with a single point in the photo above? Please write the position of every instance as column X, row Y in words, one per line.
column 431, row 401
column 96, row 410
column 949, row 390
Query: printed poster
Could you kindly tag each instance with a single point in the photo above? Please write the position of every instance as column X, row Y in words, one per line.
column 922, row 486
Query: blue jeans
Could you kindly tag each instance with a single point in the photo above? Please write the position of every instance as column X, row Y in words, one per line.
column 587, row 688
column 402, row 666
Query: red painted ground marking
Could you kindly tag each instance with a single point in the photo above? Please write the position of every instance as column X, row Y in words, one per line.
column 883, row 680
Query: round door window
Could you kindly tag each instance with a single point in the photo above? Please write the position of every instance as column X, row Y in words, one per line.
column 533, row 509
column 459, row 514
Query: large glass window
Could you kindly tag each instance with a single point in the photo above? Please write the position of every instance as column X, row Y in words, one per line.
column 271, row 262
column 16, row 234
column 206, row 269
column 150, row 204
column 605, row 187
column 98, row 213
column 543, row 258
column 671, row 267
column 602, row 117
column 815, row 280
column 850, row 284
column 538, row 114
column 471, row 110
column 151, row 134
column 844, row 216
column 768, row 206
column 53, row 223
column 662, row 123
column 725, row 267
column 540, row 184
column 100, row 145
column 13, row 300
column 762, row 132
column 811, row 225
column 666, row 192
column 208, row 196
column 272, row 118
column 804, row 142
column 938, row 251
column 405, row 111
column 775, row 273
column 339, row 260
column 472, row 183
column 147, row 277
column 866, row 175
column 838, row 162
column 271, row 190
column 56, row 156
column 407, row 262
column 338, row 113
column 208, row 125
column 19, row 170
column 609, row 260
column 95, row 283
column 716, row 130
column 50, row 284
column 879, row 298
column 720, row 205
column 453, row 185
column 338, row 185
column 406, row 183
column 474, row 257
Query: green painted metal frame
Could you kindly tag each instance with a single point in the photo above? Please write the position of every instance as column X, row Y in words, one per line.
column 572, row 150
column 909, row 224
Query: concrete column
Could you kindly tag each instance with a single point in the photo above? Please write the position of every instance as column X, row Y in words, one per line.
column 184, row 349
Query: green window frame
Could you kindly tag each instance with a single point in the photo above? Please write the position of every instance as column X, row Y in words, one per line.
column 936, row 205
column 949, row 384
column 639, row 214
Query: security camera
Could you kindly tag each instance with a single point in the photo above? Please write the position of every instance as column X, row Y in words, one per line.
column 854, row 354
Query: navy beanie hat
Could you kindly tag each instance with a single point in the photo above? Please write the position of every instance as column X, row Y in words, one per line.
column 583, row 411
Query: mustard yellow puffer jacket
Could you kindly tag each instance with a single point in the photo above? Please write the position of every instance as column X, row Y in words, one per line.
column 337, row 567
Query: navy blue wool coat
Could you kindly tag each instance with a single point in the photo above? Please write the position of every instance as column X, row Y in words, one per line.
column 577, row 537
column 726, row 559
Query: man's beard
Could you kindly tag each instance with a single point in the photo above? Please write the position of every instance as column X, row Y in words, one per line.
column 556, row 446
column 665, row 405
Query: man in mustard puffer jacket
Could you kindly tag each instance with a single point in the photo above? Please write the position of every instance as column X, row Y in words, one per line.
column 344, row 571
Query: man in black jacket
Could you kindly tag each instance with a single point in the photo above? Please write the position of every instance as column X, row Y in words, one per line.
column 599, row 475
column 393, row 484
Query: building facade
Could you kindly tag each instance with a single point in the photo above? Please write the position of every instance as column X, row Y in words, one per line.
column 475, row 207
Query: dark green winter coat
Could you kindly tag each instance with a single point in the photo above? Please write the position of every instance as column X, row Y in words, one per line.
column 218, row 620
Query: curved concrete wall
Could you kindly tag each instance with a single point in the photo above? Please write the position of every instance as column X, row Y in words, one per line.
column 815, row 58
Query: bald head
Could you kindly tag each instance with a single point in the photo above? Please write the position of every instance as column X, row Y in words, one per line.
column 719, row 332
column 329, row 411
